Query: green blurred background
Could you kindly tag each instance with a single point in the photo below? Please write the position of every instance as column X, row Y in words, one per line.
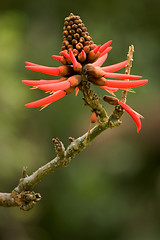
column 112, row 189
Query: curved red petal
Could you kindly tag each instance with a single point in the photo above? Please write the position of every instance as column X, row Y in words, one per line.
column 39, row 82
column 125, row 84
column 104, row 46
column 30, row 64
column 100, row 61
column 97, row 49
column 66, row 55
column 83, row 53
column 55, row 86
column 43, row 69
column 73, row 59
column 109, row 89
column 106, row 51
column 52, row 98
column 132, row 113
column 115, row 67
column 77, row 91
column 56, row 57
column 121, row 76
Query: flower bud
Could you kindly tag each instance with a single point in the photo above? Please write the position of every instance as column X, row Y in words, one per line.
column 75, row 80
column 111, row 100
column 97, row 81
column 95, row 72
column 93, row 117
column 65, row 70
column 82, row 56
column 92, row 56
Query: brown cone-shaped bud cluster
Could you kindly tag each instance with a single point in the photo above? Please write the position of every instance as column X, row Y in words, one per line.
column 76, row 38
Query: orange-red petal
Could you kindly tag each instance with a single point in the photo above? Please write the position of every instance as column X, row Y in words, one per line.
column 134, row 115
column 115, row 67
column 44, row 101
column 125, row 84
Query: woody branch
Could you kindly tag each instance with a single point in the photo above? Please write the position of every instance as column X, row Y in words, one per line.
column 22, row 195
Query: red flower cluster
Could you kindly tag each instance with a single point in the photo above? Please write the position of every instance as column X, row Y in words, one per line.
column 87, row 62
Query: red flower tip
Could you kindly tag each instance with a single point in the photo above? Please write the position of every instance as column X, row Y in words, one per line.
column 106, row 51
column 55, row 86
column 73, row 59
column 82, row 56
column 104, row 46
column 97, row 49
column 111, row 90
column 100, row 61
column 30, row 64
column 77, row 91
column 76, row 65
column 65, row 54
column 115, row 67
column 83, row 53
column 134, row 115
column 125, row 84
column 43, row 69
column 40, row 82
column 58, row 58
column 56, row 71
column 121, row 76
column 47, row 100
